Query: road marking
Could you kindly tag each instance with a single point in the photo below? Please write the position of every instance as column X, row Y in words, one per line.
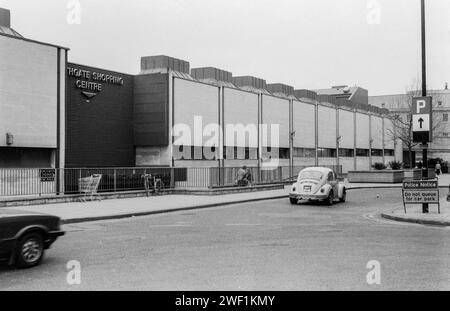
column 243, row 224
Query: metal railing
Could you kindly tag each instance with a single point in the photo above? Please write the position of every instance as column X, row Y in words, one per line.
column 50, row 181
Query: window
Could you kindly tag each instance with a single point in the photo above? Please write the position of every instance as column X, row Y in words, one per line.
column 389, row 152
column 439, row 103
column 284, row 153
column 377, row 152
column 445, row 134
column 310, row 152
column 362, row 152
column 311, row 175
column 240, row 153
column 330, row 176
column 304, row 152
column 445, row 117
column 346, row 153
column 194, row 153
column 326, row 153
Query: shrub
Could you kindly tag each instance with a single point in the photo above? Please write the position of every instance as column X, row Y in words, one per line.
column 395, row 165
column 379, row 166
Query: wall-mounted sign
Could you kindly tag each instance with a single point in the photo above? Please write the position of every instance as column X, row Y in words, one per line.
column 421, row 118
column 47, row 175
column 91, row 82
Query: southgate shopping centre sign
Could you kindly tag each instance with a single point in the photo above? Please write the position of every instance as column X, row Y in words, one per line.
column 91, row 82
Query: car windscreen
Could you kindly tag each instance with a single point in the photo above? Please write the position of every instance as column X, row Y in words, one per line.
column 311, row 175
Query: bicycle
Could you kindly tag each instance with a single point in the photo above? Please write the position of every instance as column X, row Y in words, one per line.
column 152, row 184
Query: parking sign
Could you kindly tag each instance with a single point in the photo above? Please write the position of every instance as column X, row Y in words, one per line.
column 422, row 119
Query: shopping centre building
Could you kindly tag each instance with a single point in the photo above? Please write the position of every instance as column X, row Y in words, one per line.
column 60, row 114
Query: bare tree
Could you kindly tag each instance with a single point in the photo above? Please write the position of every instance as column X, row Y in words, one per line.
column 401, row 117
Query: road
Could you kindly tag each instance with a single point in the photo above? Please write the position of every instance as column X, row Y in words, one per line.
column 268, row 245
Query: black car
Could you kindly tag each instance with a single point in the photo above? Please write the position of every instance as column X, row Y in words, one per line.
column 24, row 236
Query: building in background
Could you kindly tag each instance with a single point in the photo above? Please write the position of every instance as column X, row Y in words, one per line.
column 355, row 94
column 399, row 104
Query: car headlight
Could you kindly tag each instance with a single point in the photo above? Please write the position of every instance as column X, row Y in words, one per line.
column 294, row 189
column 322, row 190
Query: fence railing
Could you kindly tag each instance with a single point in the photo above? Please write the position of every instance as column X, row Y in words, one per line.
column 49, row 181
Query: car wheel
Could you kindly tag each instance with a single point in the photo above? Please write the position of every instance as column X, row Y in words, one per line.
column 293, row 201
column 30, row 250
column 330, row 199
column 344, row 196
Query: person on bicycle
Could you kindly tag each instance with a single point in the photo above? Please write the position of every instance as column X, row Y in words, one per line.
column 242, row 177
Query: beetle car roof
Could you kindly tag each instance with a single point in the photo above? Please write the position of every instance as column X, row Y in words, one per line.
column 323, row 170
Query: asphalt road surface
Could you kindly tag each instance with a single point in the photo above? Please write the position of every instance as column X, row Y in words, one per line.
column 268, row 245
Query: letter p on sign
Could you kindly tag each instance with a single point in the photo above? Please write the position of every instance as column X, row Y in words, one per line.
column 421, row 104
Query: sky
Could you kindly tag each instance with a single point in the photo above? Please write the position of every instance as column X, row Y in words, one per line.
column 308, row 44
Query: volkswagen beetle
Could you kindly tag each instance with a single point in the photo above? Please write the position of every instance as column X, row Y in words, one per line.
column 318, row 184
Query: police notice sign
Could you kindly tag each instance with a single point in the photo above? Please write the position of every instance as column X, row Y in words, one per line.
column 420, row 191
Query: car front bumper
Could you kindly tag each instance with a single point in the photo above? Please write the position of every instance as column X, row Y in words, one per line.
column 304, row 196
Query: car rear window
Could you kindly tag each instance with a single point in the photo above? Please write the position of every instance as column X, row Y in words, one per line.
column 311, row 175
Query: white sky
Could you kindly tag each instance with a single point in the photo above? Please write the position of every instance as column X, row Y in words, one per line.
column 304, row 43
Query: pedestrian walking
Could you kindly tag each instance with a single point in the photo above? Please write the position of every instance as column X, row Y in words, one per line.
column 438, row 168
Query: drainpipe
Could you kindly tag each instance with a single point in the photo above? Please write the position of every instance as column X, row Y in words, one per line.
column 338, row 138
column 316, row 131
column 370, row 141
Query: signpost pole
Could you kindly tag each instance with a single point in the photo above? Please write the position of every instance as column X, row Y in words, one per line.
column 424, row 93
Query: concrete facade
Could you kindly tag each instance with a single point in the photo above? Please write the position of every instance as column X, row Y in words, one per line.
column 313, row 130
column 32, row 92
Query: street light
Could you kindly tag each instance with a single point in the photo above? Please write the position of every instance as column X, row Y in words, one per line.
column 424, row 93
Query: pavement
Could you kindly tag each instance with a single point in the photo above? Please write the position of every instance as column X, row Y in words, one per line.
column 414, row 214
column 75, row 212
column 269, row 245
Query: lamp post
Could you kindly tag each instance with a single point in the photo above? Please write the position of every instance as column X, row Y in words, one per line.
column 424, row 93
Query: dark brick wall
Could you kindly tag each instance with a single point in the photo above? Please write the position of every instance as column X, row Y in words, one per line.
column 151, row 110
column 99, row 133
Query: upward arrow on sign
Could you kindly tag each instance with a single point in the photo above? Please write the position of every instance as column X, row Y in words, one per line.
column 421, row 122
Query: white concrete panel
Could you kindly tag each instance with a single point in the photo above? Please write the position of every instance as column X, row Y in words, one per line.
column 347, row 164
column 275, row 111
column 346, row 129
column 389, row 159
column 327, row 161
column 195, row 101
column 327, row 127
column 362, row 131
column 379, row 160
column 304, row 161
column 389, row 137
column 304, row 125
column 240, row 114
column 362, row 163
column 28, row 93
column 377, row 132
